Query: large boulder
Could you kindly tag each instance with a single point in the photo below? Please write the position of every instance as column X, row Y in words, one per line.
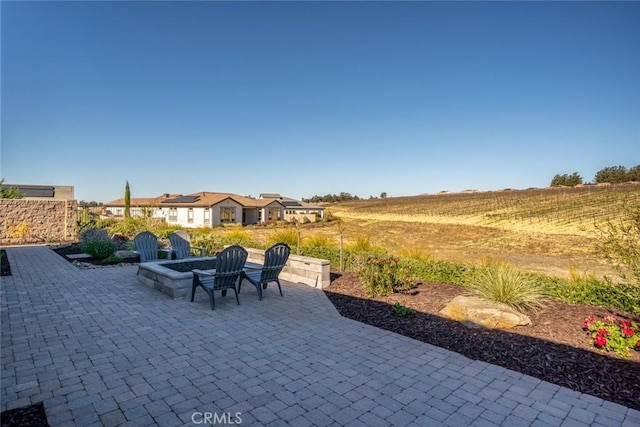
column 476, row 312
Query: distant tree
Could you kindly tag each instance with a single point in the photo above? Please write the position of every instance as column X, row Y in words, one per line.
column 8, row 192
column 342, row 197
column 612, row 174
column 127, row 201
column 569, row 180
column 91, row 204
column 634, row 173
column 383, row 195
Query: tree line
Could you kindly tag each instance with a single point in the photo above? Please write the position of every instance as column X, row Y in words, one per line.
column 342, row 197
column 610, row 174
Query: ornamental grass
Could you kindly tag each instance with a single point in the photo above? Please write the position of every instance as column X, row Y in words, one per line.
column 505, row 284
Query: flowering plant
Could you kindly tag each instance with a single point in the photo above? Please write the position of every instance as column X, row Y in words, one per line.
column 611, row 334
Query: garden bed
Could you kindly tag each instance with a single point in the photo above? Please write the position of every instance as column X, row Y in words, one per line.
column 74, row 249
column 554, row 348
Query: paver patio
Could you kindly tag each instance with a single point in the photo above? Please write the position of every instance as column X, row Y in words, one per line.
column 100, row 349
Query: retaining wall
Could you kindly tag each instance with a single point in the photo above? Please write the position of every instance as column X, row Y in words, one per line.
column 37, row 221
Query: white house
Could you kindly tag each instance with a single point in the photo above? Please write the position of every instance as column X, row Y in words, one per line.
column 203, row 209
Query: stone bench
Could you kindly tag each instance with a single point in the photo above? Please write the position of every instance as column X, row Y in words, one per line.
column 299, row 269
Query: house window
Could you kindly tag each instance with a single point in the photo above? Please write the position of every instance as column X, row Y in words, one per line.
column 273, row 214
column 227, row 214
column 207, row 215
column 173, row 215
column 190, row 216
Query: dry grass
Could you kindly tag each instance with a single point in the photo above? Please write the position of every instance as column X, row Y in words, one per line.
column 550, row 243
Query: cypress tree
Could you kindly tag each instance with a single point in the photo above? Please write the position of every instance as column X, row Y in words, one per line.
column 127, row 201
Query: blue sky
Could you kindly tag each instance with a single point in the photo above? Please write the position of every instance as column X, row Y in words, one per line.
column 306, row 98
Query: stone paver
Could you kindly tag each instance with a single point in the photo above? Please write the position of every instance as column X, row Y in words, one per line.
column 98, row 348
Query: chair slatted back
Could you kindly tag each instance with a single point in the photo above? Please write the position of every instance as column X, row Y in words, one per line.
column 229, row 266
column 275, row 258
column 146, row 246
column 181, row 244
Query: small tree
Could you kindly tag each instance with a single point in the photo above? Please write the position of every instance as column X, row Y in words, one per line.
column 620, row 243
column 127, row 201
column 383, row 195
column 8, row 192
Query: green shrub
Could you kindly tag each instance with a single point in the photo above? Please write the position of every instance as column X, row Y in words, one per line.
column 129, row 227
column 323, row 252
column 377, row 272
column 93, row 233
column 438, row 271
column 401, row 311
column 591, row 291
column 505, row 284
column 99, row 248
column 212, row 243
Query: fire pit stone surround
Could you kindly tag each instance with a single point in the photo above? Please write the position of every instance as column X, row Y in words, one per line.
column 160, row 276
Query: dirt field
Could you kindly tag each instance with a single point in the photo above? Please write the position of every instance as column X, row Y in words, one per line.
column 553, row 254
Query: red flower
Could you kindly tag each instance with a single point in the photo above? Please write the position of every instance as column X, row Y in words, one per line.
column 627, row 332
column 625, row 324
column 601, row 341
column 603, row 332
column 638, row 344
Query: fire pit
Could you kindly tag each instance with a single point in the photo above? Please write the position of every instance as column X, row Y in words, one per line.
column 173, row 278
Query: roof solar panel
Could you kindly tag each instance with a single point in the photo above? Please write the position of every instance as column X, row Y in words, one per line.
column 33, row 190
column 182, row 199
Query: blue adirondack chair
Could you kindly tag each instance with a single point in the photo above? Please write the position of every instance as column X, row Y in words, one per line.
column 275, row 258
column 147, row 246
column 181, row 245
column 229, row 267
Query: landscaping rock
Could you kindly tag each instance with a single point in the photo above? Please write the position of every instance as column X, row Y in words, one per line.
column 474, row 312
column 125, row 254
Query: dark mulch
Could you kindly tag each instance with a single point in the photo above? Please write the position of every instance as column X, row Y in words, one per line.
column 74, row 249
column 554, row 348
column 27, row 416
column 5, row 267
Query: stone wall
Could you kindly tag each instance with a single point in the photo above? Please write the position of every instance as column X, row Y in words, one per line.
column 37, row 221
